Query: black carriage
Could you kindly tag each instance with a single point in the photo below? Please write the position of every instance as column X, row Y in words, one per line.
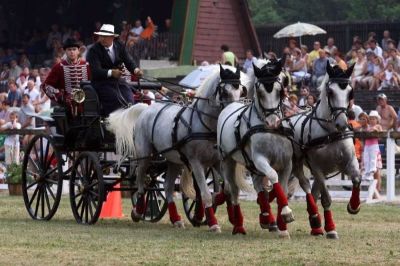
column 78, row 148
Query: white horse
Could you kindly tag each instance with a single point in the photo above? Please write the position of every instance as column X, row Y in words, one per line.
column 324, row 143
column 185, row 135
column 250, row 135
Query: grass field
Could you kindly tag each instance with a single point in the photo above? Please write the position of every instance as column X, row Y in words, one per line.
column 372, row 237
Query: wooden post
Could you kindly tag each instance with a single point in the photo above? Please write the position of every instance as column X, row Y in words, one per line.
column 390, row 168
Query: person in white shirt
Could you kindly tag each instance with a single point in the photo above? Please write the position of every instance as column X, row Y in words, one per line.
column 32, row 91
column 11, row 143
column 373, row 47
column 250, row 60
column 137, row 30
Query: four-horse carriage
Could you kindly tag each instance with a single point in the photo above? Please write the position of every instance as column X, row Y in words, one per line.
column 75, row 149
column 78, row 148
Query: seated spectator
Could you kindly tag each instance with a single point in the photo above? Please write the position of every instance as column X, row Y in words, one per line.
column 373, row 80
column 359, row 71
column 4, row 113
column 304, row 53
column 373, row 47
column 24, row 61
column 14, row 96
column 250, row 60
column 319, row 69
column 304, row 92
column 43, row 103
column 390, row 78
column 330, row 45
column 385, row 39
column 32, row 91
column 394, row 57
column 311, row 101
column 15, row 70
column 137, row 29
column 298, row 69
column 291, row 108
column 357, row 45
column 337, row 56
column 22, row 80
column 314, row 54
column 26, row 109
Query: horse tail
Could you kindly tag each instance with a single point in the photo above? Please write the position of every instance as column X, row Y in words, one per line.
column 122, row 124
column 240, row 179
column 187, row 186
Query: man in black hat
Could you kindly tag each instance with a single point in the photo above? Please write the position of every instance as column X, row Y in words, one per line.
column 66, row 75
column 107, row 59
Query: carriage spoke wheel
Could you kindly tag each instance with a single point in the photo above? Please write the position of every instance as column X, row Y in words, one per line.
column 42, row 178
column 86, row 188
column 191, row 206
column 155, row 198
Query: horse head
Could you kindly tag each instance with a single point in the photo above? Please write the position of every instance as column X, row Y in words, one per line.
column 269, row 90
column 338, row 93
column 230, row 87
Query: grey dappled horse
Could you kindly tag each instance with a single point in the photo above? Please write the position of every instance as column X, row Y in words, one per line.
column 250, row 135
column 185, row 135
column 323, row 142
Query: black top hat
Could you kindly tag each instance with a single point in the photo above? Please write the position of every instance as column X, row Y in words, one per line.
column 70, row 43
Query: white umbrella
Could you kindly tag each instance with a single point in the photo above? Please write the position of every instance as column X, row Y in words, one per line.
column 299, row 29
column 195, row 78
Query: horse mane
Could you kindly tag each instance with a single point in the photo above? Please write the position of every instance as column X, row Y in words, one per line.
column 208, row 83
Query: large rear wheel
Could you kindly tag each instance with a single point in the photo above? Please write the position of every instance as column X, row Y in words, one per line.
column 42, row 178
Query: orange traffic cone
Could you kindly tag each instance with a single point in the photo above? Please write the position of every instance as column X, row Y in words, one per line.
column 112, row 207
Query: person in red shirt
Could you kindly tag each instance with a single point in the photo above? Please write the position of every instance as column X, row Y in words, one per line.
column 67, row 75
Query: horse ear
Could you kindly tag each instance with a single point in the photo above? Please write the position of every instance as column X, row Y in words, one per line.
column 329, row 69
column 256, row 70
column 221, row 69
column 237, row 70
column 282, row 61
column 349, row 71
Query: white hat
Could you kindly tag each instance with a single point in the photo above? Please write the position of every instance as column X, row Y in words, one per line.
column 106, row 30
column 374, row 113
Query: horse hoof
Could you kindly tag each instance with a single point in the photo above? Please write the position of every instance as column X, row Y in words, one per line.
column 179, row 224
column 273, row 227
column 287, row 215
column 332, row 235
column 215, row 228
column 196, row 223
column 317, row 232
column 353, row 211
column 238, row 230
column 284, row 234
column 136, row 217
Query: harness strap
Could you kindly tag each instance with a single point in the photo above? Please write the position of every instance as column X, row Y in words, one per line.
column 156, row 118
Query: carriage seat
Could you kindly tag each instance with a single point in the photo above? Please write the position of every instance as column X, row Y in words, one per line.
column 91, row 105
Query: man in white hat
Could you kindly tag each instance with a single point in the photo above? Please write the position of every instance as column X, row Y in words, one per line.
column 106, row 59
column 387, row 113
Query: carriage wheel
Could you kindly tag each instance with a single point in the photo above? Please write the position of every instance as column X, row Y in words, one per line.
column 86, row 188
column 42, row 178
column 156, row 201
column 191, row 206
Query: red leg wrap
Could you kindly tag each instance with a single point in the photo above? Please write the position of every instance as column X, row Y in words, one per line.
column 238, row 228
column 231, row 214
column 271, row 196
column 329, row 224
column 220, row 198
column 141, row 205
column 199, row 211
column 211, row 220
column 312, row 208
column 355, row 198
column 280, row 195
column 281, row 224
column 266, row 215
column 173, row 213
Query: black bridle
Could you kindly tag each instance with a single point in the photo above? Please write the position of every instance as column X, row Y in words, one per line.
column 265, row 82
column 221, row 92
column 343, row 83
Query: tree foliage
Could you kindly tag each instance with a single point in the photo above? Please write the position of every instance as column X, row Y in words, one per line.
column 275, row 11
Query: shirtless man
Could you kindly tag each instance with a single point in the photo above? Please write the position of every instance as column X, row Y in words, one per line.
column 387, row 113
